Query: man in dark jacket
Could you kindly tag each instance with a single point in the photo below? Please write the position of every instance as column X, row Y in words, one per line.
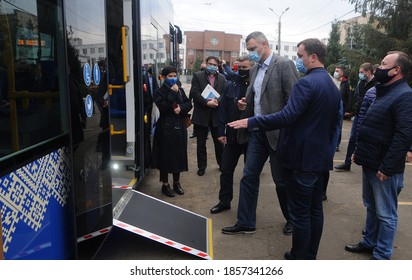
column 366, row 81
column 228, row 111
column 385, row 137
column 205, row 111
column 306, row 145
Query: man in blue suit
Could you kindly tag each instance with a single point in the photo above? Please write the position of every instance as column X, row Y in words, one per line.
column 306, row 145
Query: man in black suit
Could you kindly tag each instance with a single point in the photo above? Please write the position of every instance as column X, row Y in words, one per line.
column 205, row 111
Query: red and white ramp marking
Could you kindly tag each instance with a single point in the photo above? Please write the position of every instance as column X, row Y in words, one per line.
column 161, row 239
column 94, row 234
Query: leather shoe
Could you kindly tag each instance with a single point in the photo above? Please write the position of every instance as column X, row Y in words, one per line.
column 288, row 229
column 358, row 248
column 178, row 189
column 201, row 172
column 343, row 167
column 166, row 190
column 219, row 208
column 236, row 229
column 288, row 256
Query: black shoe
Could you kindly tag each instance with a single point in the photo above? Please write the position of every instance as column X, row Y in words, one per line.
column 343, row 167
column 192, row 136
column 363, row 231
column 288, row 256
column 178, row 189
column 288, row 229
column 236, row 229
column 324, row 197
column 219, row 208
column 201, row 172
column 337, row 148
column 358, row 248
column 166, row 190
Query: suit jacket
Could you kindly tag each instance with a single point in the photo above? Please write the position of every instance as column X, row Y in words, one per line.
column 203, row 114
column 309, row 124
column 276, row 89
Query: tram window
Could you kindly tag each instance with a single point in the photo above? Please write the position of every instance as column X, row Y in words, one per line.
column 32, row 81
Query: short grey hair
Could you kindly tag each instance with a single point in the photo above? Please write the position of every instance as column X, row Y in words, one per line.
column 246, row 57
column 257, row 36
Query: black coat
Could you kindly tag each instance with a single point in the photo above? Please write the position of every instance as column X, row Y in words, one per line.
column 203, row 114
column 385, row 134
column 170, row 137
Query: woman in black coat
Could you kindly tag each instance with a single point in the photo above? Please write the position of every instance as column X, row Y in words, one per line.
column 170, row 137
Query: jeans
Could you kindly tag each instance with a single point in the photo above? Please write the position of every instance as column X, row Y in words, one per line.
column 257, row 153
column 352, row 142
column 306, row 213
column 231, row 154
column 381, row 202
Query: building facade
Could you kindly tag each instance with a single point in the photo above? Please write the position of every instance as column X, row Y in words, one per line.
column 201, row 44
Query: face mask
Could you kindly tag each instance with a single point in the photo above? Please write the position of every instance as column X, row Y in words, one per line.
column 243, row 74
column 254, row 56
column 336, row 75
column 362, row 76
column 211, row 69
column 381, row 75
column 300, row 66
column 171, row 81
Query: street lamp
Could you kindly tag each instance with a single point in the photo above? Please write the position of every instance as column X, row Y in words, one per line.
column 279, row 25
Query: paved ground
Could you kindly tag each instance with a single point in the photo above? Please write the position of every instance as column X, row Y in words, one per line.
column 344, row 215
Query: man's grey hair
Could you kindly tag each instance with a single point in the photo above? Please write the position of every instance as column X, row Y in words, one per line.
column 245, row 57
column 257, row 36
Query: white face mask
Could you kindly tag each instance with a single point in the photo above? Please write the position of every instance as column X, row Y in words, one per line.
column 336, row 75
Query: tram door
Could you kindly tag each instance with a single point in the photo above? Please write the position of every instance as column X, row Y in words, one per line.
column 89, row 100
column 130, row 156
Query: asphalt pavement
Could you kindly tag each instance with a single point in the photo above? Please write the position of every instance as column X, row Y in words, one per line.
column 343, row 209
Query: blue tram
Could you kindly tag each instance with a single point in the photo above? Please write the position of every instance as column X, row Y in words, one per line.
column 74, row 104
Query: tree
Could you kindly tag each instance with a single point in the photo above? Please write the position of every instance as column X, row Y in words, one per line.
column 333, row 47
column 395, row 16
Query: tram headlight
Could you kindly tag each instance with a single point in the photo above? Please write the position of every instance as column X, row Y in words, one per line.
column 115, row 166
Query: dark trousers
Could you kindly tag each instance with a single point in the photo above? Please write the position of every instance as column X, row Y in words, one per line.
column 201, row 136
column 164, row 177
column 352, row 142
column 306, row 213
column 231, row 154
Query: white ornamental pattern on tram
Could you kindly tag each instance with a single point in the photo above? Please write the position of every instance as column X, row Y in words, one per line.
column 26, row 193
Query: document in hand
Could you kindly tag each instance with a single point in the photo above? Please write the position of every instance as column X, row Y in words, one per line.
column 209, row 92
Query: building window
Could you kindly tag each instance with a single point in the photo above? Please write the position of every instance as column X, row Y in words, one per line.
column 294, row 57
column 84, row 51
column 286, row 48
column 295, row 48
column 191, row 52
column 145, row 56
column 234, row 54
column 151, row 56
column 101, row 50
column 161, row 45
column 144, row 46
column 92, row 50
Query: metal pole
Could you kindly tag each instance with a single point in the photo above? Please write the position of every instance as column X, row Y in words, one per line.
column 279, row 25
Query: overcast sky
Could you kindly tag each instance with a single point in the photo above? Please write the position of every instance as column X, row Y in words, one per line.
column 303, row 19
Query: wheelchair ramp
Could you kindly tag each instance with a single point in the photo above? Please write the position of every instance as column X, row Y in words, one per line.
column 162, row 222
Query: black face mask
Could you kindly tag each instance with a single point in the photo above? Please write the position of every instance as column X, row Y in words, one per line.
column 243, row 74
column 381, row 75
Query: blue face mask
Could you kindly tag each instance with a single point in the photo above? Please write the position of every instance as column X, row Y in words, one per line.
column 211, row 69
column 171, row 81
column 254, row 56
column 336, row 75
column 299, row 65
column 362, row 76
